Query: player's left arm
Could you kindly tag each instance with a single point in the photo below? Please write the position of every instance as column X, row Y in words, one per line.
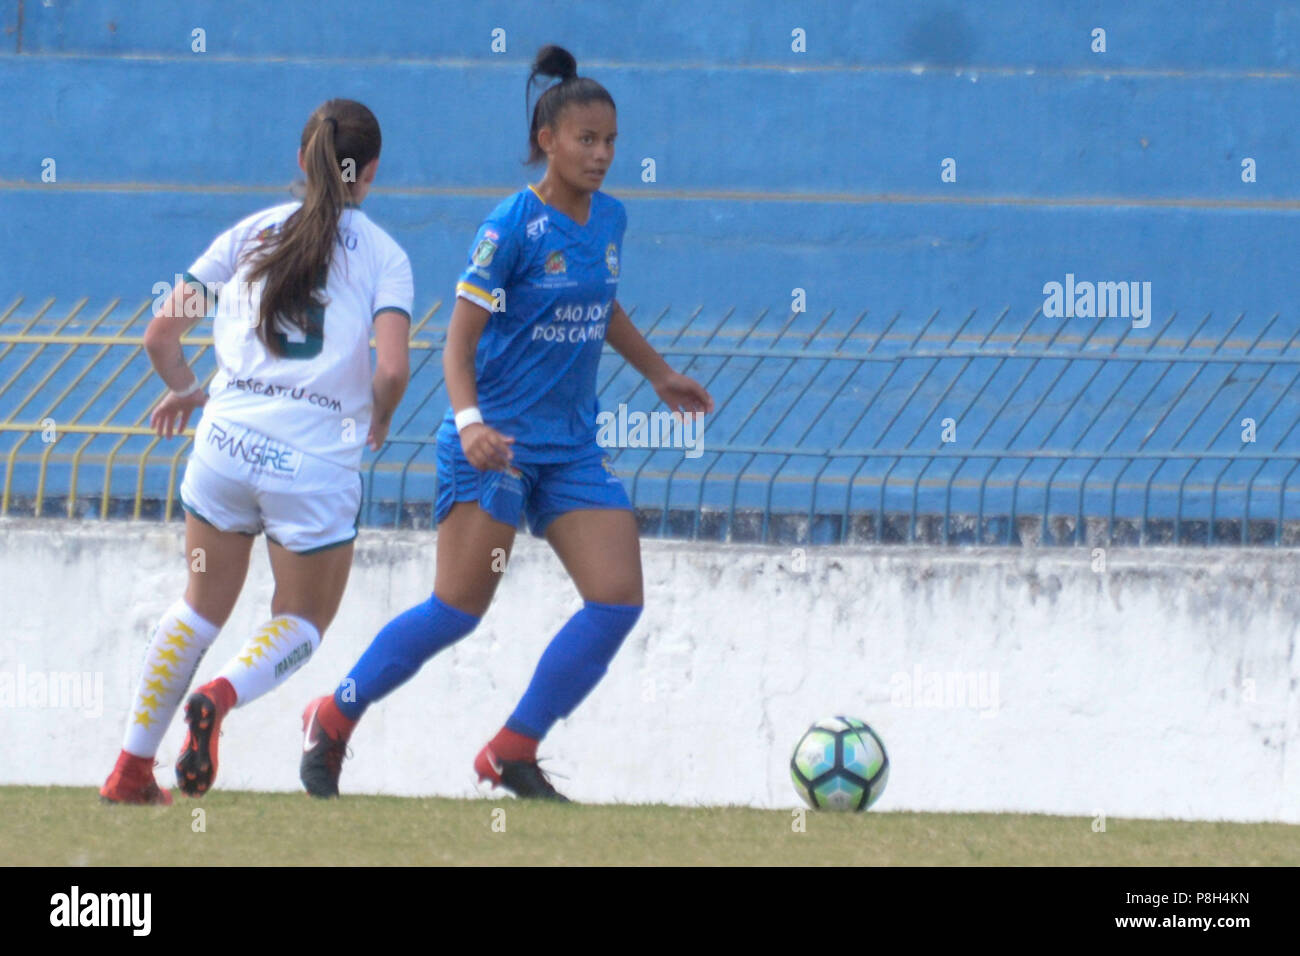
column 679, row 392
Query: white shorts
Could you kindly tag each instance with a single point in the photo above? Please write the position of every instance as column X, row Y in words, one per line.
column 237, row 479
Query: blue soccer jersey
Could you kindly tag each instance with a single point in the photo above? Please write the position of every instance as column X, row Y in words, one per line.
column 550, row 285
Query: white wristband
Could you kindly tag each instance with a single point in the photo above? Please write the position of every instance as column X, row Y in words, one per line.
column 189, row 391
column 468, row 416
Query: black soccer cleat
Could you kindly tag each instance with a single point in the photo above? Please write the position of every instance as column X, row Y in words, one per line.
column 524, row 778
column 322, row 755
column 197, row 767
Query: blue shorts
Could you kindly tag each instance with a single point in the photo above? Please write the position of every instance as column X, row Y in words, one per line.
column 541, row 492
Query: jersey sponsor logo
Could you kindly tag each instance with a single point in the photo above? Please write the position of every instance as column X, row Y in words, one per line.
column 611, row 259
column 576, row 312
column 491, row 234
column 284, row 391
column 264, row 455
column 573, row 334
column 536, row 228
column 484, row 252
column 555, row 264
column 575, row 324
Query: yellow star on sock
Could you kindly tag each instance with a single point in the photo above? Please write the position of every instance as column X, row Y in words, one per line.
column 161, row 670
column 176, row 640
column 154, row 685
column 149, row 700
column 167, row 654
column 142, row 717
column 263, row 639
column 246, row 660
column 257, row 651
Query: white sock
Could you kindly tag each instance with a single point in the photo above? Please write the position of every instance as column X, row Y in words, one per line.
column 272, row 655
column 179, row 643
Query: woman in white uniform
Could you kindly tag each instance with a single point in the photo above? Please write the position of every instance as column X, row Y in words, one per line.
column 300, row 289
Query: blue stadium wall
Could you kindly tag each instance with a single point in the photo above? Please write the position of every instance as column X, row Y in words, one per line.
column 775, row 169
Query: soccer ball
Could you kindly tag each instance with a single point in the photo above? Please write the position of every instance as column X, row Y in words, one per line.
column 840, row 764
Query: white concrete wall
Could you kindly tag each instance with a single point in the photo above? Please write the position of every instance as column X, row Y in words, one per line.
column 1164, row 687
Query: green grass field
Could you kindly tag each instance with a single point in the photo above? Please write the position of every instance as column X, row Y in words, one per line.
column 69, row 826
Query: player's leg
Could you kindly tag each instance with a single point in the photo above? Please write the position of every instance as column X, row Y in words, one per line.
column 472, row 549
column 311, row 522
column 218, row 564
column 308, row 590
column 602, row 553
column 477, row 513
column 587, row 519
column 601, row 550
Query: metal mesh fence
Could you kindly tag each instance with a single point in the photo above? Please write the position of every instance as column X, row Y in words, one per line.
column 829, row 429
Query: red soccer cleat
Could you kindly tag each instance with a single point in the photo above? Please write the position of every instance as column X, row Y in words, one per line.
column 132, row 782
column 524, row 778
column 323, row 753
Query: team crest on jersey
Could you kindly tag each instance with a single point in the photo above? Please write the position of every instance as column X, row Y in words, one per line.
column 611, row 259
column 484, row 251
column 266, row 233
column 555, row 263
column 535, row 228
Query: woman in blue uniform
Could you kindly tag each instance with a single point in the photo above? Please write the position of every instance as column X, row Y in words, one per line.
column 535, row 305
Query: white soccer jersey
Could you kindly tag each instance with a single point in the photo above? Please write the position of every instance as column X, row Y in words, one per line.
column 317, row 396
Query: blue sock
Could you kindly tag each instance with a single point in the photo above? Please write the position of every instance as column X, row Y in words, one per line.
column 573, row 663
column 398, row 651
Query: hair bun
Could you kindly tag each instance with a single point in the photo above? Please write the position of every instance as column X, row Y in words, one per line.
column 554, row 60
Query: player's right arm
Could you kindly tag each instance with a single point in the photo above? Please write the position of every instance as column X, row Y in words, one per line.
column 490, row 269
column 176, row 316
column 485, row 447
column 162, row 341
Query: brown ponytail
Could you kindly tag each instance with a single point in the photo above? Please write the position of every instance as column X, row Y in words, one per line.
column 340, row 138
